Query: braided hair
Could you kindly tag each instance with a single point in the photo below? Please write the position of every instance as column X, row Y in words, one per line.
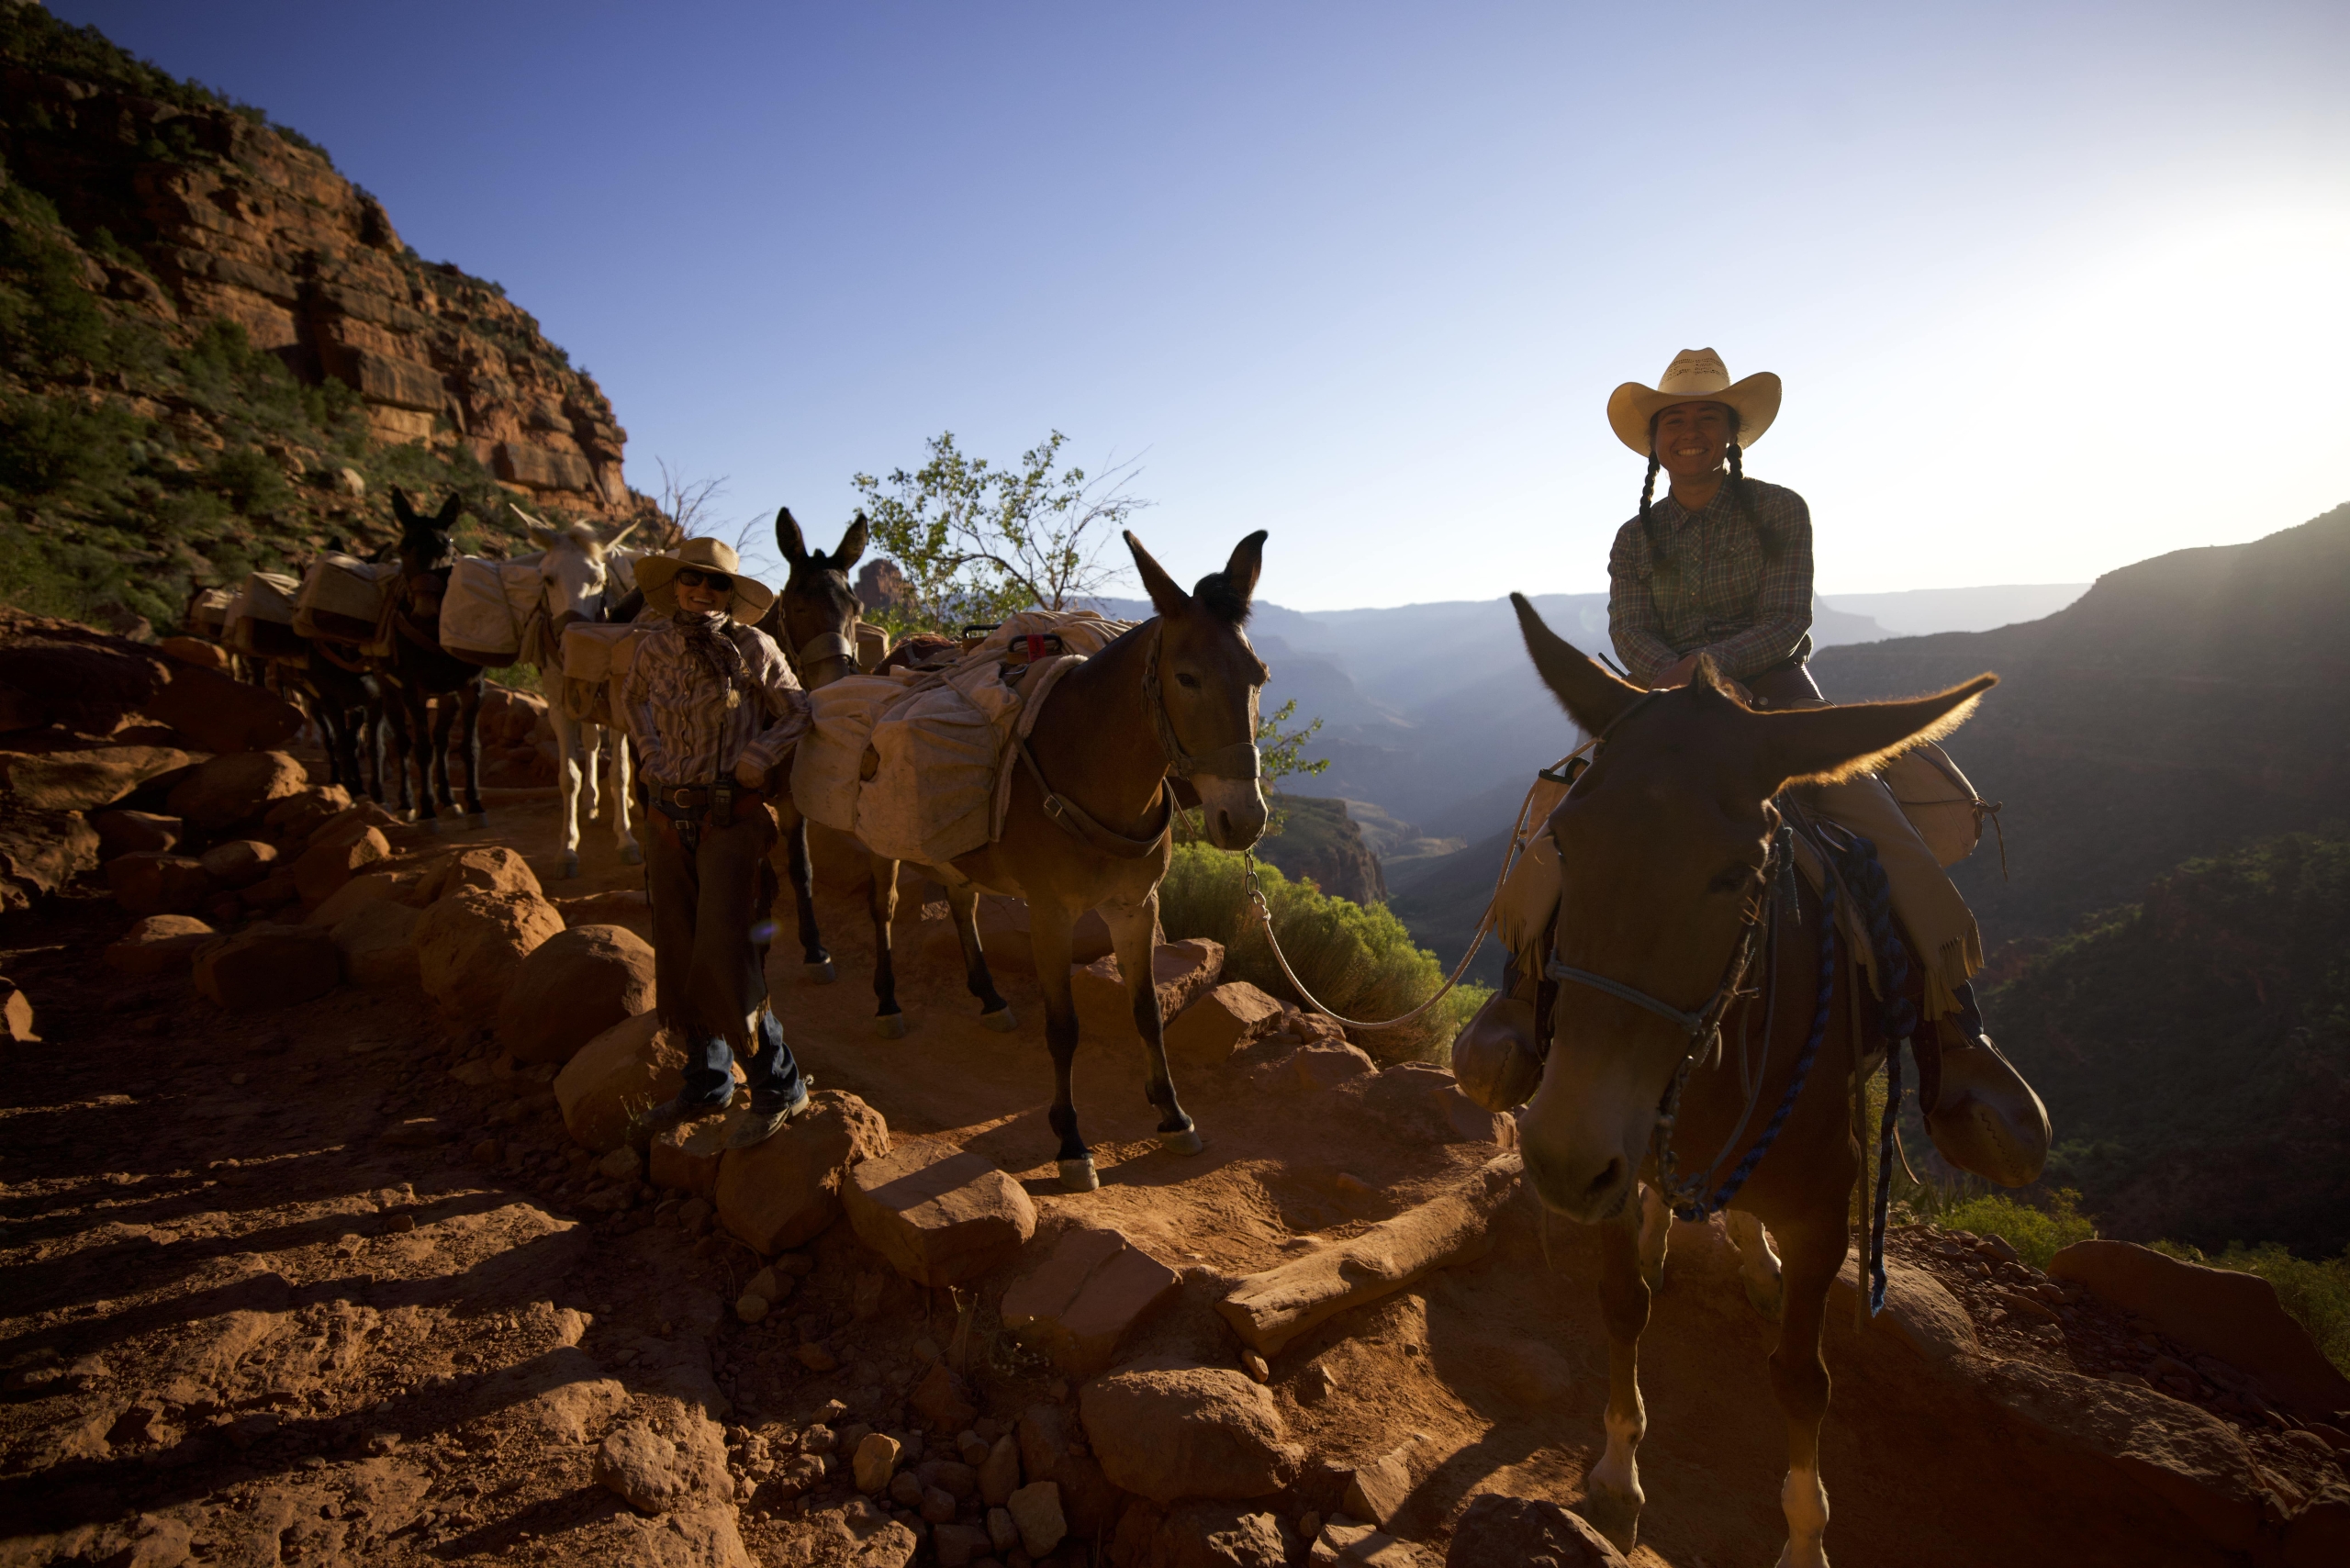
column 1665, row 573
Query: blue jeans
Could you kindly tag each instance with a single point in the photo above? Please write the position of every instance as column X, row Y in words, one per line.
column 708, row 965
column 773, row 1072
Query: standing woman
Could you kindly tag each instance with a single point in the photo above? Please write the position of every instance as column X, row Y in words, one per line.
column 1720, row 567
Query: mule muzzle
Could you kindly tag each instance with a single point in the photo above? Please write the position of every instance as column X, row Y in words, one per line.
column 1233, row 810
column 1586, row 1134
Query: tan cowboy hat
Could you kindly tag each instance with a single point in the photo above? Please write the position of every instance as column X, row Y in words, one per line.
column 1695, row 376
column 653, row 574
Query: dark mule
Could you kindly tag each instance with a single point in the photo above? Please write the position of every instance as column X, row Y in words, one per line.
column 813, row 621
column 348, row 704
column 1670, row 846
column 1175, row 696
column 418, row 670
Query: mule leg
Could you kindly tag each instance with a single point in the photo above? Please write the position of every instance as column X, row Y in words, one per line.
column 1049, row 927
column 1612, row 1494
column 420, row 755
column 469, row 734
column 623, row 836
column 1656, row 1231
column 1815, row 1250
column 566, row 782
column 444, row 718
column 1758, row 1265
column 800, row 870
column 889, row 1020
column 994, row 1011
column 1134, row 928
column 372, row 714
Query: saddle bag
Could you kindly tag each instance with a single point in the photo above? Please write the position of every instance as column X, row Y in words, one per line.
column 1939, row 802
column 485, row 607
column 262, row 619
column 343, row 599
column 597, row 656
column 207, row 614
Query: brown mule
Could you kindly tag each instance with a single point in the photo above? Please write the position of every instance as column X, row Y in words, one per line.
column 1666, row 849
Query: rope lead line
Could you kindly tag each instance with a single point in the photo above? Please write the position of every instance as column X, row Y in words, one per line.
column 1263, row 911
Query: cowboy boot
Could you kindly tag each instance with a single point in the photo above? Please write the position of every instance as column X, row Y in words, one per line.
column 1980, row 1111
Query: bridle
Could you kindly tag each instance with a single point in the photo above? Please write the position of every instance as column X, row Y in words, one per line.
column 1701, row 1028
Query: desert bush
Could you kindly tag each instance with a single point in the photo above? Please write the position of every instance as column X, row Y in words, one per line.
column 1360, row 961
column 2316, row 1292
column 2036, row 1233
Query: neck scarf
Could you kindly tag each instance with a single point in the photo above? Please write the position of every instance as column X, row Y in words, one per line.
column 705, row 638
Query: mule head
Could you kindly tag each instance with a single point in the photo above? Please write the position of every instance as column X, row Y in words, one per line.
column 1662, row 845
column 815, row 618
column 425, row 542
column 573, row 570
column 1209, row 676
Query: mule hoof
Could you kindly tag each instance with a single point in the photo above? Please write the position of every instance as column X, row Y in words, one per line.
column 570, row 866
column 632, row 856
column 1001, row 1020
column 1188, row 1141
column 821, row 972
column 892, row 1025
column 1079, row 1175
column 1613, row 1515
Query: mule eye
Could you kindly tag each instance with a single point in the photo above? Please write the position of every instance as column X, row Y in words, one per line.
column 1188, row 682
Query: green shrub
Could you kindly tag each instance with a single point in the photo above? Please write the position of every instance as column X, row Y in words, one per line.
column 2036, row 1233
column 1359, row 961
column 2316, row 1292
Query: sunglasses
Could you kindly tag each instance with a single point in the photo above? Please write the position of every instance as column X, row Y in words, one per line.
column 690, row 577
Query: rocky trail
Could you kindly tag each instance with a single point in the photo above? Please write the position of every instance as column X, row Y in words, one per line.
column 343, row 1280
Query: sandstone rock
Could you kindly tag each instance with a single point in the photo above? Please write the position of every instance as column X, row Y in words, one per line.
column 622, row 1164
column 626, row 907
column 334, row 857
column 959, row 1546
column 685, row 1160
column 148, row 883
column 654, row 1471
column 87, row 779
column 1324, row 1064
column 126, row 832
column 493, row 871
column 1184, row 971
column 943, row 1400
column 1036, row 1509
column 158, row 945
column 239, row 863
column 1091, row 1288
column 417, row 1132
column 875, row 1461
column 1165, row 1427
column 16, row 1014
column 193, row 651
column 268, row 965
column 470, row 944
column 1003, row 1532
column 237, row 788
column 376, row 887
column 574, row 986
column 1376, row 1490
column 1232, row 1015
column 785, row 1190
column 1200, row 1535
column 1515, row 1530
column 2218, row 1312
column 377, row 942
column 74, row 676
column 1918, row 1310
column 1350, row 1544
column 220, row 714
column 629, row 1067
column 273, row 891
column 941, row 1214
column 998, row 1473
column 40, row 852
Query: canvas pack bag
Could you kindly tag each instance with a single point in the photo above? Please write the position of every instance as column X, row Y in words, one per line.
column 207, row 614
column 342, row 600
column 486, row 607
column 596, row 657
column 262, row 619
column 1939, row 802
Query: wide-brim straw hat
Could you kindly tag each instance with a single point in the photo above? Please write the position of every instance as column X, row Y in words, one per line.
column 657, row 574
column 1695, row 376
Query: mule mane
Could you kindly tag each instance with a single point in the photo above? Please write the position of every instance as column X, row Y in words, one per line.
column 1221, row 597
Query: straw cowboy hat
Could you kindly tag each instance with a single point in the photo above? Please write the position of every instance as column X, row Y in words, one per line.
column 1695, row 376
column 655, row 575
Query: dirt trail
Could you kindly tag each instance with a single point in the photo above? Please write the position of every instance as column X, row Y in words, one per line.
column 241, row 1327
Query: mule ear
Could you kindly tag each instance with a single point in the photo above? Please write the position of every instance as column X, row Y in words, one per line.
column 614, row 541
column 1247, row 561
column 788, row 539
column 1593, row 698
column 451, row 510
column 852, row 544
column 537, row 532
column 402, row 510
column 1826, row 746
column 1165, row 596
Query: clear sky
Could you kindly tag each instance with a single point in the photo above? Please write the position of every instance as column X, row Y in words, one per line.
column 2054, row 286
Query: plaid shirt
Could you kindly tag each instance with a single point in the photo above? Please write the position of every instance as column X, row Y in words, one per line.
column 1727, row 598
column 676, row 711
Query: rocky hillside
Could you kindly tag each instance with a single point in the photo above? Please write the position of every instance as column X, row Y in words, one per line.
column 1319, row 840
column 216, row 352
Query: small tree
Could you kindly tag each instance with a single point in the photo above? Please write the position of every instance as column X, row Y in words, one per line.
column 685, row 507
column 977, row 543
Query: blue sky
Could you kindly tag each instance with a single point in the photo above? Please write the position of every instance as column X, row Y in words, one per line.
column 2052, row 287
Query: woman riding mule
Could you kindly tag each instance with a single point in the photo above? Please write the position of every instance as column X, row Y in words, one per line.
column 1720, row 569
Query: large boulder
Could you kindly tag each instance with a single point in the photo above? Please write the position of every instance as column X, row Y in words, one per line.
column 1233, row 1015
column 158, row 945
column 59, row 673
column 634, row 1064
column 376, row 887
column 85, row 780
column 237, row 788
column 239, row 862
column 223, row 715
column 941, row 1214
column 685, row 1157
column 1165, row 1427
column 1517, row 1530
column 574, row 986
column 1207, row 1535
column 655, row 1471
column 1092, row 1287
column 470, row 945
column 2216, row 1312
column 493, row 871
column 148, row 883
column 128, row 833
column 336, row 856
column 377, row 941
column 268, row 965
column 787, row 1191
column 41, row 851
column 1184, row 971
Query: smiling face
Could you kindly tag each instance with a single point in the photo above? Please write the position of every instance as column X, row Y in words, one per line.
column 696, row 596
column 1692, row 439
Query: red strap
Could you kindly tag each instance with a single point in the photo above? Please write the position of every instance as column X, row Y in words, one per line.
column 1035, row 648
